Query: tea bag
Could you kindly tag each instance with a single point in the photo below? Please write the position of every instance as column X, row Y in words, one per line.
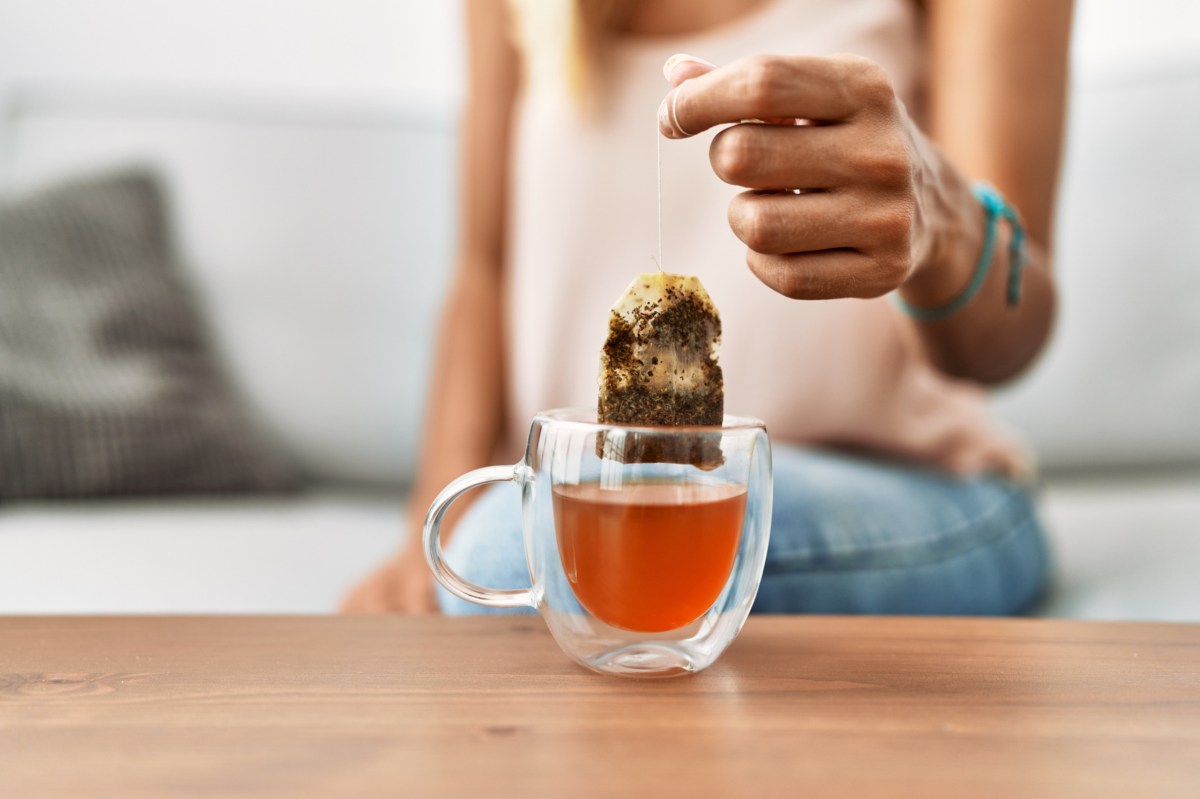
column 659, row 365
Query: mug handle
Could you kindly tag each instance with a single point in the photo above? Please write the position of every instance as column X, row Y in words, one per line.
column 432, row 539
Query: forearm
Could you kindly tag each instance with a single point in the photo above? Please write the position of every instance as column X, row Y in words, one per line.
column 987, row 340
column 464, row 415
column 995, row 97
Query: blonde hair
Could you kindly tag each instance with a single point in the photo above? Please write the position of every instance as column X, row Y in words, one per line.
column 561, row 41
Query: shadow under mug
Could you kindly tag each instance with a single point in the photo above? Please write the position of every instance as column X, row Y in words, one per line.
column 645, row 545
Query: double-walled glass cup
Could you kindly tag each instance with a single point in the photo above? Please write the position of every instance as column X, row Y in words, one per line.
column 645, row 545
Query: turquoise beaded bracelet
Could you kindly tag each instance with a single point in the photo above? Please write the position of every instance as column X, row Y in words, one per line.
column 995, row 207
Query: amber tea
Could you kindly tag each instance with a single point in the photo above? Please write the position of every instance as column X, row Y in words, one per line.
column 649, row 556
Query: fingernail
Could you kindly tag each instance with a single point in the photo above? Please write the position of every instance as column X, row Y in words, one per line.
column 664, row 119
column 678, row 59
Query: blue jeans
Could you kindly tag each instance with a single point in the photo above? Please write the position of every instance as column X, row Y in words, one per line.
column 848, row 535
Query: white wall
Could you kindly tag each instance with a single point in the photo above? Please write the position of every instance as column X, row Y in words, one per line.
column 376, row 51
column 1114, row 34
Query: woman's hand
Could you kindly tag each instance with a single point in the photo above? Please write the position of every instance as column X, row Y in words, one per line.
column 402, row 585
column 839, row 205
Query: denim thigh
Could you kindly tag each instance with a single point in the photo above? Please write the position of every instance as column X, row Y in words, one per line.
column 848, row 535
column 855, row 535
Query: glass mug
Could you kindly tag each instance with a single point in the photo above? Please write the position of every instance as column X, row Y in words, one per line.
column 645, row 545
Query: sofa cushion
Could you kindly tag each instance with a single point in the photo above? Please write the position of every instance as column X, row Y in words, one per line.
column 107, row 385
column 1125, row 545
column 1120, row 382
column 284, row 554
column 318, row 236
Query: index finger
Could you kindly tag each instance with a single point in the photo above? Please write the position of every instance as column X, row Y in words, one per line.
column 761, row 87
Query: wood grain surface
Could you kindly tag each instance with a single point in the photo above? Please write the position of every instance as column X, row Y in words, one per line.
column 434, row 707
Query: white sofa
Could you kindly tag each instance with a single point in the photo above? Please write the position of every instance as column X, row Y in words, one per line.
column 318, row 231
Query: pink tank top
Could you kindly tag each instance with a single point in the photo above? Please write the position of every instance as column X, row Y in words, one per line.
column 583, row 223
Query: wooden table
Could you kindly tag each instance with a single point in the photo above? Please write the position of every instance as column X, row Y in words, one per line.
column 424, row 707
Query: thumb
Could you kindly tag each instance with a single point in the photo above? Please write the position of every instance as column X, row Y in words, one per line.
column 681, row 67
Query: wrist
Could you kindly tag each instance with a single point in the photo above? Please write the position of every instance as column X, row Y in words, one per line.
column 953, row 223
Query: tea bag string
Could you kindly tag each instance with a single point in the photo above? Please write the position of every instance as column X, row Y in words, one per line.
column 658, row 170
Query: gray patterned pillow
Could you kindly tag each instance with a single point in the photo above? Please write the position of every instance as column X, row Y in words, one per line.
column 107, row 381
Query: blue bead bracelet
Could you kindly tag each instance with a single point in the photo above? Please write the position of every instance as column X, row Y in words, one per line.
column 995, row 208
